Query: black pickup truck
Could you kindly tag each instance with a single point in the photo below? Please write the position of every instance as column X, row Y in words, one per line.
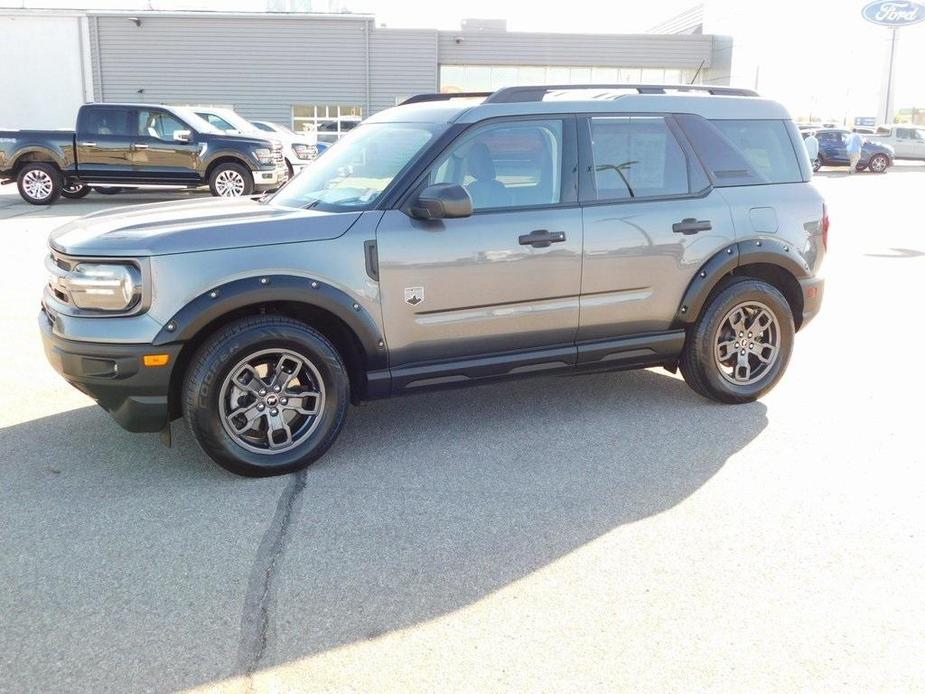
column 129, row 145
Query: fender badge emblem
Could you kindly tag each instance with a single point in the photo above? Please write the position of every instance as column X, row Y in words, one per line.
column 414, row 295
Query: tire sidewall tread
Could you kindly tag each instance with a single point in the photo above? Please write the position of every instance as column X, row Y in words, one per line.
column 241, row 169
column 209, row 367
column 57, row 182
column 697, row 361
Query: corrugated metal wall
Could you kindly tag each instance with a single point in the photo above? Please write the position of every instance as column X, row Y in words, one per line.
column 521, row 48
column 260, row 65
column 263, row 65
column 403, row 62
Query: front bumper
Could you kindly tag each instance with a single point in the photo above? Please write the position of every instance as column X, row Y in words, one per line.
column 270, row 178
column 813, row 289
column 114, row 375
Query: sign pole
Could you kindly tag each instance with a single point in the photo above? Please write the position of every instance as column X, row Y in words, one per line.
column 887, row 113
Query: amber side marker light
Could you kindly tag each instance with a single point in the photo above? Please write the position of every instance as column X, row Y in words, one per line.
column 155, row 359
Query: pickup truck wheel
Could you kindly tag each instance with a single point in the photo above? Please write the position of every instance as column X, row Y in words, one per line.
column 39, row 184
column 741, row 344
column 75, row 191
column 878, row 163
column 231, row 181
column 266, row 395
column 817, row 164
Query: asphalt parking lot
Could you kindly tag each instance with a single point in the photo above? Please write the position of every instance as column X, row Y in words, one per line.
column 557, row 534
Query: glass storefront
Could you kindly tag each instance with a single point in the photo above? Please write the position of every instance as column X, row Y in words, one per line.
column 330, row 122
column 484, row 78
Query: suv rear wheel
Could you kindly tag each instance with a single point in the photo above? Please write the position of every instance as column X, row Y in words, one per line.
column 266, row 395
column 739, row 348
column 39, row 183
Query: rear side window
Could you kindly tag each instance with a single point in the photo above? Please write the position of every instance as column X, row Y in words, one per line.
column 636, row 157
column 107, row 121
column 744, row 152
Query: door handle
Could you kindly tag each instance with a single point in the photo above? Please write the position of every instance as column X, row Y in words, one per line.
column 139, row 145
column 541, row 238
column 87, row 144
column 691, row 226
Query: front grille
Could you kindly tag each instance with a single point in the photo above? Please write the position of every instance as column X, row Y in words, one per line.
column 278, row 153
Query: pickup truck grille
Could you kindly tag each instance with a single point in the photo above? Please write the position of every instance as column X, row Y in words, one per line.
column 278, row 154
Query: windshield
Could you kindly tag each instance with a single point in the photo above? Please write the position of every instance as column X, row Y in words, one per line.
column 355, row 171
column 194, row 121
column 225, row 119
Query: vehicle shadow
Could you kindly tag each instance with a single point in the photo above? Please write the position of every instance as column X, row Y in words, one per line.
column 130, row 566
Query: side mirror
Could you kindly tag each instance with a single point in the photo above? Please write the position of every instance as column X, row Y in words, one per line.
column 182, row 136
column 442, row 201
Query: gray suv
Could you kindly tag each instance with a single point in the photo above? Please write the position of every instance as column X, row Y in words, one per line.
column 454, row 239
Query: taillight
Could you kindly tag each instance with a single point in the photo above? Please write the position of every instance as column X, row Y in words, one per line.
column 825, row 227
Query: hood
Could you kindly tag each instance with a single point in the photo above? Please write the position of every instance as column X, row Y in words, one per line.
column 194, row 225
column 874, row 146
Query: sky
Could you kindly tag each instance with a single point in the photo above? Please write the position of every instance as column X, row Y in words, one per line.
column 818, row 57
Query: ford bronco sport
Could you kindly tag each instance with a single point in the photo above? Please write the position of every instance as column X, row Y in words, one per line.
column 453, row 239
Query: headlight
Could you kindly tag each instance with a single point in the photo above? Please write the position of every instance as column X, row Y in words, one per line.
column 104, row 287
column 264, row 155
column 303, row 151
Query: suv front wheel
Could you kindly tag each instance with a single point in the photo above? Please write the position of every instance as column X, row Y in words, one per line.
column 739, row 348
column 266, row 395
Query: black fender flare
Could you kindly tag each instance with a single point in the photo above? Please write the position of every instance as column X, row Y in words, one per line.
column 260, row 289
column 770, row 251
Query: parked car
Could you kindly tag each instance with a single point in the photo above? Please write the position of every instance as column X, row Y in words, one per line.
column 299, row 150
column 118, row 145
column 445, row 243
column 907, row 141
column 833, row 151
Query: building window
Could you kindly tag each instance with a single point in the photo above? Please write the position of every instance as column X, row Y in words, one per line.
column 483, row 78
column 330, row 122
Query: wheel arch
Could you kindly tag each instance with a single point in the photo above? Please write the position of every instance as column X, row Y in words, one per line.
column 346, row 324
column 771, row 260
column 226, row 158
column 41, row 155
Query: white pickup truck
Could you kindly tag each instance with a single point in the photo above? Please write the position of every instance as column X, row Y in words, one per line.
column 908, row 141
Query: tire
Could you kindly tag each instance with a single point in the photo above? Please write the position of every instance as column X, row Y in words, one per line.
column 701, row 360
column 75, row 191
column 217, row 384
column 816, row 164
column 289, row 170
column 108, row 191
column 231, row 181
column 39, row 183
column 878, row 163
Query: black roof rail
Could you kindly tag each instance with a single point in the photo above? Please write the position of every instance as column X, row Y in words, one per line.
column 420, row 98
column 509, row 95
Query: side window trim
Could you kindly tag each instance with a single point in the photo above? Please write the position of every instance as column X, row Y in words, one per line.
column 587, row 185
column 569, row 184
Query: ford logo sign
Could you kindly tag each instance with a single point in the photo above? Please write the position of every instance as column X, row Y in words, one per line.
column 894, row 13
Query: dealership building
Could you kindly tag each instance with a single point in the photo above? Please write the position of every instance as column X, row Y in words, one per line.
column 307, row 69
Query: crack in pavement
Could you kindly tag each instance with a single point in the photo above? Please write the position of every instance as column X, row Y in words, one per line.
column 255, row 619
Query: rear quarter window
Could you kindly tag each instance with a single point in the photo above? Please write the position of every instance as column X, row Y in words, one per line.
column 744, row 152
